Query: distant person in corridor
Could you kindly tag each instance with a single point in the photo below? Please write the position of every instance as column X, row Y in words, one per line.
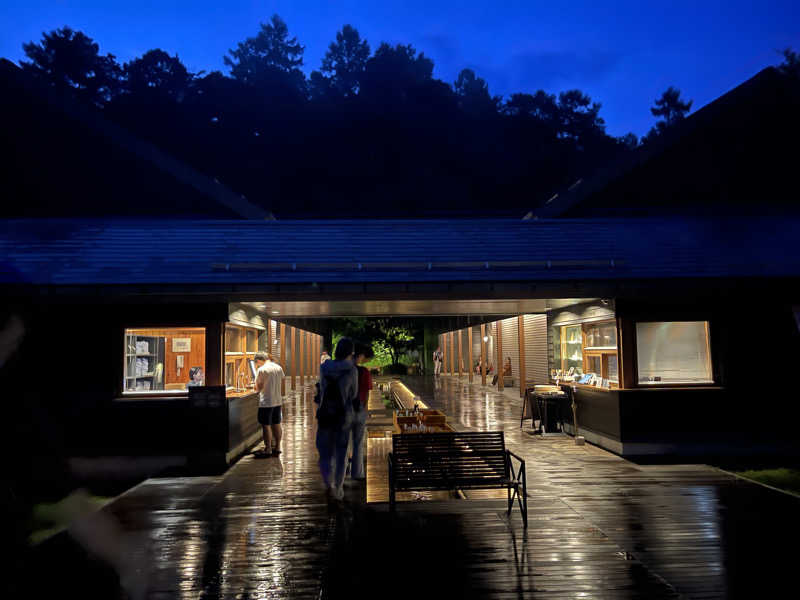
column 268, row 385
column 438, row 358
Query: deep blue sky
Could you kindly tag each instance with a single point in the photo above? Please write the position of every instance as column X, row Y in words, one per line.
column 623, row 53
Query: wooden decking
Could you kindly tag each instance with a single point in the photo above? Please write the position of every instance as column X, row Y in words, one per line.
column 599, row 527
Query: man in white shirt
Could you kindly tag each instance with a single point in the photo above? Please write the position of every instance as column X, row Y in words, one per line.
column 268, row 385
column 438, row 357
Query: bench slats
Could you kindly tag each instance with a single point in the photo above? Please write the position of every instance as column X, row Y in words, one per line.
column 449, row 460
column 455, row 460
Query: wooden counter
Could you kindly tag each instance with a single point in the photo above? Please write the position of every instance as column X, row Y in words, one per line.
column 239, row 394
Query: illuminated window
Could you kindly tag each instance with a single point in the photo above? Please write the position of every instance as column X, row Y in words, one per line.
column 241, row 345
column 164, row 359
column 676, row 352
column 588, row 348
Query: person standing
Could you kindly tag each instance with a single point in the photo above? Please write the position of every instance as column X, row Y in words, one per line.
column 438, row 359
column 268, row 385
column 323, row 357
column 363, row 353
column 338, row 394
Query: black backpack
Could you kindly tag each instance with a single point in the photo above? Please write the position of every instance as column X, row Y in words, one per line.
column 331, row 410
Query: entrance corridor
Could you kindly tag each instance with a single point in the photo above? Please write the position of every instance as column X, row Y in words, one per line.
column 599, row 527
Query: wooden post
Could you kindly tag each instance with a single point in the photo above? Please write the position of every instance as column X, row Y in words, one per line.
column 483, row 353
column 215, row 354
column 460, row 355
column 470, row 368
column 499, row 365
column 302, row 360
column 314, row 355
column 443, row 346
column 452, row 355
column 269, row 337
column 521, row 336
column 283, row 354
column 625, row 353
column 293, row 342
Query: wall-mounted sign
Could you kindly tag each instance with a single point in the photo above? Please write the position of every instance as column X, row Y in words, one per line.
column 181, row 344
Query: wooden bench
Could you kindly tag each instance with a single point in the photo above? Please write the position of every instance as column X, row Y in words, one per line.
column 457, row 460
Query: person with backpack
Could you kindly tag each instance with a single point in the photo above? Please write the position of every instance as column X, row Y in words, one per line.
column 338, row 383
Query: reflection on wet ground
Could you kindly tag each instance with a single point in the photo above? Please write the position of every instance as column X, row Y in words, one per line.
column 599, row 527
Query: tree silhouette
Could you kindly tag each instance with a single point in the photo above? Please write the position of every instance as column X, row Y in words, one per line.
column 158, row 73
column 345, row 61
column 671, row 108
column 70, row 61
column 393, row 73
column 579, row 116
column 380, row 132
column 270, row 61
column 791, row 63
column 473, row 94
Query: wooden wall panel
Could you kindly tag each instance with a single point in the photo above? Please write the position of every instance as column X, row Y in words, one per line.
column 460, row 353
column 283, row 357
column 510, row 329
column 498, row 368
column 536, row 349
column 470, row 355
column 292, row 343
column 483, row 355
column 452, row 355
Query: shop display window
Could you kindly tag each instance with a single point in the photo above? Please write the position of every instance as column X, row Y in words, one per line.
column 587, row 349
column 252, row 340
column 675, row 352
column 159, row 360
column 601, row 335
column 241, row 345
column 233, row 339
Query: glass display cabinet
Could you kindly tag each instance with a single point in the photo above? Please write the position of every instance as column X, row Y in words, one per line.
column 241, row 345
column 587, row 348
column 144, row 363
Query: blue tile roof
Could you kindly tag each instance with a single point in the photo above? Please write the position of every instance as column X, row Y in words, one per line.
column 68, row 252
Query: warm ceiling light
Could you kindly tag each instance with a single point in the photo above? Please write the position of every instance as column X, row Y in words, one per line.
column 276, row 312
column 486, row 338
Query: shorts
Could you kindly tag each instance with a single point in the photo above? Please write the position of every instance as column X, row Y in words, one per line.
column 269, row 415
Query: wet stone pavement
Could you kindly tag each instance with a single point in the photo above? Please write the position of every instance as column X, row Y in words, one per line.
column 599, row 527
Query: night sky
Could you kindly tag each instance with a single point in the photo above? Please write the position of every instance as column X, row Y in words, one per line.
column 623, row 53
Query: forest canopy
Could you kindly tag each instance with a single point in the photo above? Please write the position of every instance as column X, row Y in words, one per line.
column 369, row 133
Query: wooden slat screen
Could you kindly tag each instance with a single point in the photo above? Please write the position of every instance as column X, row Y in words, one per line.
column 536, row 349
column 511, row 346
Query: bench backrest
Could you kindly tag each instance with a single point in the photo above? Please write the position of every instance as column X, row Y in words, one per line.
column 449, row 460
